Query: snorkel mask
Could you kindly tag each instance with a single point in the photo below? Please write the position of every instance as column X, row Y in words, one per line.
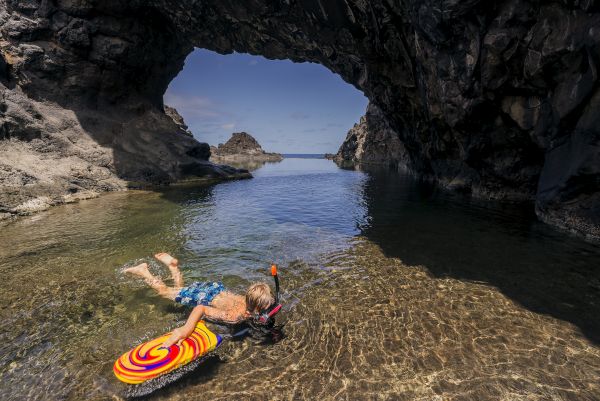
column 266, row 317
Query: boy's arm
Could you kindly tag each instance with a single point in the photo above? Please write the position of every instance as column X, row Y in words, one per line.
column 200, row 311
column 183, row 332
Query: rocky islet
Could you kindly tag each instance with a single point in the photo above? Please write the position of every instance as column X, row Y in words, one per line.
column 241, row 147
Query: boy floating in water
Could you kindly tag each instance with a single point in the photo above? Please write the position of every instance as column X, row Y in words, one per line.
column 210, row 300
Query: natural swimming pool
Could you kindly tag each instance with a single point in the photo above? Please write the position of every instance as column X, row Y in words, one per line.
column 392, row 290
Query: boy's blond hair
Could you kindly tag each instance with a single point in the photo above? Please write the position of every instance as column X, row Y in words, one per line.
column 259, row 297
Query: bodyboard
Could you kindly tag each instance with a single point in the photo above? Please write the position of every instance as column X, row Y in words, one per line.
column 149, row 360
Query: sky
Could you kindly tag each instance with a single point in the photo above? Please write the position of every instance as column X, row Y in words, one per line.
column 288, row 107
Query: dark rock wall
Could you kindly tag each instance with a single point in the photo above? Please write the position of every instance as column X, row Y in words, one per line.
column 499, row 96
column 373, row 141
column 81, row 108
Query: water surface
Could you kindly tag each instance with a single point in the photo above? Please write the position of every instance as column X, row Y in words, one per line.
column 392, row 290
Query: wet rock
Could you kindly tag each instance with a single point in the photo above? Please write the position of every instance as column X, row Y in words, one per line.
column 569, row 189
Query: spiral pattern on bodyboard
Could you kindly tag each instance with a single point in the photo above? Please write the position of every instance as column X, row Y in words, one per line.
column 147, row 361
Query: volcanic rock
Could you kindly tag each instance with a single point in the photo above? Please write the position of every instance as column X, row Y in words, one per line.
column 500, row 96
column 372, row 140
column 178, row 119
column 240, row 146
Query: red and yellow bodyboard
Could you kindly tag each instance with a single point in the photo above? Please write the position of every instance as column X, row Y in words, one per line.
column 147, row 361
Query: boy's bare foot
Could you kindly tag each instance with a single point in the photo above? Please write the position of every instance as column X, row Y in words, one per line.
column 139, row 270
column 154, row 282
column 173, row 265
column 167, row 259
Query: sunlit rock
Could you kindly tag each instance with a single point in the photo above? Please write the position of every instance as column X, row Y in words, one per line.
column 242, row 146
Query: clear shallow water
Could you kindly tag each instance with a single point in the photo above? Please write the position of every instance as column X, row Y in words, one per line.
column 392, row 290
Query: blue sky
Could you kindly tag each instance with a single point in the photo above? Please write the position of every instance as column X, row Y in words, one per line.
column 288, row 107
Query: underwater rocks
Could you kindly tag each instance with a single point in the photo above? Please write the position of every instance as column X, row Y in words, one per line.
column 242, row 146
column 499, row 99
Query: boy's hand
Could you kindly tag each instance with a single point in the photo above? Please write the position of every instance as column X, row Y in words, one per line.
column 177, row 336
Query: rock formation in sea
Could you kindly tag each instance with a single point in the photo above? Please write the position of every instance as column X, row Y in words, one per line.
column 242, row 146
column 501, row 97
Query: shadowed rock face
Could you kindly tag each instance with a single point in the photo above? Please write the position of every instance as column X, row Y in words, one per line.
column 178, row 119
column 81, row 87
column 501, row 97
column 373, row 141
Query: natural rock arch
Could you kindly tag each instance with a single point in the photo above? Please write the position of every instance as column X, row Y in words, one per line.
column 497, row 98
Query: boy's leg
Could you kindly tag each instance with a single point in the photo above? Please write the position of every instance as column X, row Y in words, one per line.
column 173, row 265
column 153, row 281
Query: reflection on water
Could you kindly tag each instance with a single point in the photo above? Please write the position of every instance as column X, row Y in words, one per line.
column 248, row 164
column 391, row 291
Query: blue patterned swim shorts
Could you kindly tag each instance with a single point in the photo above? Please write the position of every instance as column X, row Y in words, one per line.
column 199, row 293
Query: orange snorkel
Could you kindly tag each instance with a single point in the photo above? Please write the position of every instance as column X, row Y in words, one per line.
column 265, row 317
column 276, row 278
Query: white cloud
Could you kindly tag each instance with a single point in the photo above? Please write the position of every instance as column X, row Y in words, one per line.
column 191, row 107
column 229, row 126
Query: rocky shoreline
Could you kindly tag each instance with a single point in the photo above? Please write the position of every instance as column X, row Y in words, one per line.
column 499, row 100
column 51, row 155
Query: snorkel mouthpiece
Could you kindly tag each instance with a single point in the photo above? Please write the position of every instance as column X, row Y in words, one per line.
column 265, row 317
